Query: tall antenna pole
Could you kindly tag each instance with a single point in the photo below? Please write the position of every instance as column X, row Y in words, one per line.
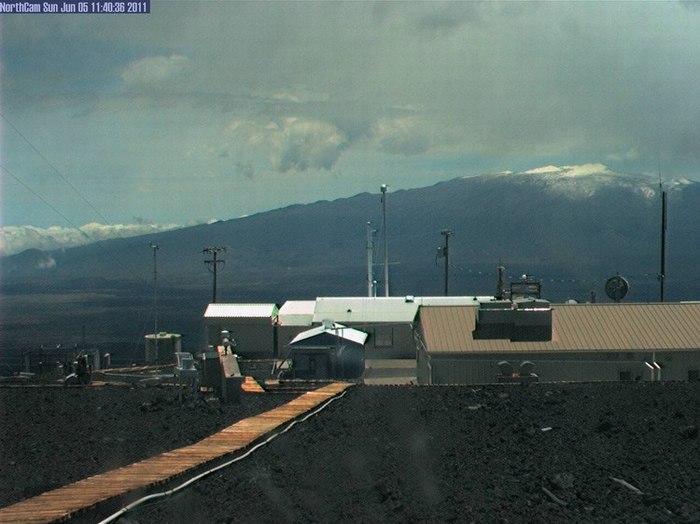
column 500, row 286
column 662, row 273
column 370, row 259
column 447, row 233
column 214, row 264
column 386, row 243
column 155, row 297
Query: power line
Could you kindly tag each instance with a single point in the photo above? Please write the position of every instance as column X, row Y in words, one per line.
column 59, row 213
column 54, row 168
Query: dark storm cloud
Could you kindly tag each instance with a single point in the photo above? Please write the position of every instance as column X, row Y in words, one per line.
column 303, row 87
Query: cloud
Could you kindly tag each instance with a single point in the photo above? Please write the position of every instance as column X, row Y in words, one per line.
column 692, row 5
column 246, row 169
column 297, row 95
column 15, row 239
column 630, row 154
column 403, row 135
column 295, row 144
column 445, row 19
column 154, row 70
column 305, row 144
column 467, row 86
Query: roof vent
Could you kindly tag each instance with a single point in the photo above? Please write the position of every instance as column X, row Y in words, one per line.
column 527, row 367
column 505, row 368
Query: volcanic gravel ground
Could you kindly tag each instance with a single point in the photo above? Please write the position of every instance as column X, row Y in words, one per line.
column 52, row 436
column 539, row 453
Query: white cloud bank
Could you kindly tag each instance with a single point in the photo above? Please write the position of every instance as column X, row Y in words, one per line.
column 15, row 239
column 404, row 136
column 295, row 144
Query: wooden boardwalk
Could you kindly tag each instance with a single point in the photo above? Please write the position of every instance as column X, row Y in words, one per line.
column 62, row 503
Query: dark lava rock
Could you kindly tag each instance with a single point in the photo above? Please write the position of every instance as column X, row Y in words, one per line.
column 386, row 454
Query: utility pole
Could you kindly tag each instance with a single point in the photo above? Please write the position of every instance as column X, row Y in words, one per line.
column 662, row 272
column 386, row 243
column 213, row 264
column 370, row 259
column 447, row 233
column 155, row 297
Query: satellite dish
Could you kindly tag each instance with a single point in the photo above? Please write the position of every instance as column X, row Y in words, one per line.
column 617, row 288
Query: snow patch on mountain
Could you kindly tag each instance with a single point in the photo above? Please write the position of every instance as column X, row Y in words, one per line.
column 584, row 181
column 571, row 171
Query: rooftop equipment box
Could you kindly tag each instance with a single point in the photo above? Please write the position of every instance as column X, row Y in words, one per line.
column 519, row 321
column 532, row 321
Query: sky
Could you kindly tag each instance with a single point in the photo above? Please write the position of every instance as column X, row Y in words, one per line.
column 213, row 110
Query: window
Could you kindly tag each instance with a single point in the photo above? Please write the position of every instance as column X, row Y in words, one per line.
column 383, row 337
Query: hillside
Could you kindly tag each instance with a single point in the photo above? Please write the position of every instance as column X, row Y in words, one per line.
column 571, row 227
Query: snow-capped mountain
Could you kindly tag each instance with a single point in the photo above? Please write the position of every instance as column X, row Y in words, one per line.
column 571, row 227
column 584, row 181
column 577, row 222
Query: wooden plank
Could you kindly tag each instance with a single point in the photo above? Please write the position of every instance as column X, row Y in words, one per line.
column 63, row 502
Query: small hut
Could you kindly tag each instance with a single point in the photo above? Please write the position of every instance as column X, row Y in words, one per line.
column 327, row 352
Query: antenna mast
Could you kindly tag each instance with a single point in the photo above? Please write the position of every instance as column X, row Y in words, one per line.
column 155, row 296
column 370, row 259
column 386, row 243
column 500, row 286
column 662, row 272
column 447, row 233
column 214, row 264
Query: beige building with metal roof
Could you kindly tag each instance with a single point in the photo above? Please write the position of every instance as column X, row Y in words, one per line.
column 251, row 326
column 588, row 342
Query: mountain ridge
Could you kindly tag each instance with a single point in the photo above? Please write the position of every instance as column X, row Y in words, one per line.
column 531, row 217
column 588, row 178
column 304, row 251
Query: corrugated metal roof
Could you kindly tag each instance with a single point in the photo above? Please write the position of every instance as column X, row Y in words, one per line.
column 339, row 330
column 241, row 311
column 575, row 327
column 365, row 309
column 296, row 313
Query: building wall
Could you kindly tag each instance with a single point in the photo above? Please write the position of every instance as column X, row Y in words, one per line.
column 423, row 366
column 388, row 340
column 285, row 334
column 551, row 367
column 255, row 338
column 385, row 340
